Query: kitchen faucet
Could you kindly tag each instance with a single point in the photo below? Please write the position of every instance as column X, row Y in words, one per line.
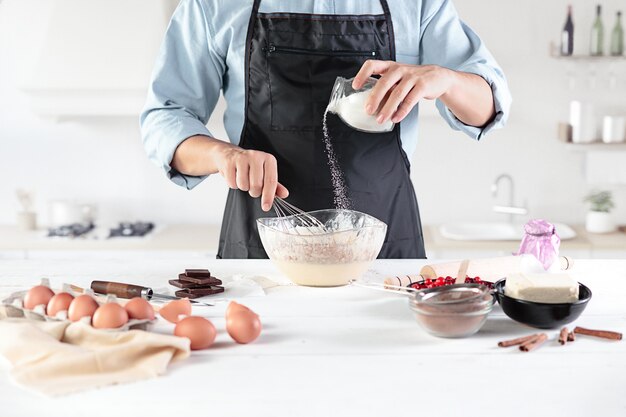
column 511, row 210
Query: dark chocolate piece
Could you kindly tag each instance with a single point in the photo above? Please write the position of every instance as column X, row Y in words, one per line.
column 198, row 292
column 201, row 281
column 184, row 284
column 197, row 273
column 185, row 294
column 205, row 291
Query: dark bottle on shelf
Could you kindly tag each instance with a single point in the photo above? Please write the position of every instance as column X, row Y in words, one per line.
column 597, row 34
column 567, row 35
column 617, row 37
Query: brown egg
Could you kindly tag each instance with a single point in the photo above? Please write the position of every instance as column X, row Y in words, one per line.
column 82, row 306
column 198, row 330
column 109, row 316
column 174, row 309
column 243, row 326
column 59, row 302
column 139, row 309
column 234, row 307
column 37, row 295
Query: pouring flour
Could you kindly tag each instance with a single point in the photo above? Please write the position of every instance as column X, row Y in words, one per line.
column 349, row 105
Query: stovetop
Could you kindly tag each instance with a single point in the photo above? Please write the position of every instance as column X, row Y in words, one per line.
column 128, row 229
column 71, row 230
column 123, row 229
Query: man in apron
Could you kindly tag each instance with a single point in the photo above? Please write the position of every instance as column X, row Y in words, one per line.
column 276, row 66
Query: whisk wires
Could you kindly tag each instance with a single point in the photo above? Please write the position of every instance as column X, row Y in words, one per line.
column 304, row 224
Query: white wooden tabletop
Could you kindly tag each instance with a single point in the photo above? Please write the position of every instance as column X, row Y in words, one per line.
column 347, row 352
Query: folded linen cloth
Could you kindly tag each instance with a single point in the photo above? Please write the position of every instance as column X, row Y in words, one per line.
column 56, row 358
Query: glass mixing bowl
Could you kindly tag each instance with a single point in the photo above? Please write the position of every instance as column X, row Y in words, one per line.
column 458, row 310
column 313, row 257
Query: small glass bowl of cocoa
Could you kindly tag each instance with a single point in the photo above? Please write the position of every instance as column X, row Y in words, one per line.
column 458, row 310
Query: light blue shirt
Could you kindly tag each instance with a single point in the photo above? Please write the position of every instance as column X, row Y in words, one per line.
column 203, row 54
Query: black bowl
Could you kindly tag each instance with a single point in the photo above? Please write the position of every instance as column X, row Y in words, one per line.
column 542, row 315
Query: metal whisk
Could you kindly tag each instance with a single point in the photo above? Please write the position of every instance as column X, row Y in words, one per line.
column 310, row 224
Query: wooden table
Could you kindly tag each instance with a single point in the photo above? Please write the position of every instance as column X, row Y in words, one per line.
column 347, row 352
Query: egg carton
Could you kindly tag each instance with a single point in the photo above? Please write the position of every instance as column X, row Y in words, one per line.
column 14, row 308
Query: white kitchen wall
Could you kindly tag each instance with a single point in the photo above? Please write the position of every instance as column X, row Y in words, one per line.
column 101, row 160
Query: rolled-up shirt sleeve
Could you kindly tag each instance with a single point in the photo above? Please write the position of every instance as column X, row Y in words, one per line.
column 185, row 86
column 448, row 42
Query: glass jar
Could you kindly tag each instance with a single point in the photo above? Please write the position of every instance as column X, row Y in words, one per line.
column 541, row 240
column 349, row 105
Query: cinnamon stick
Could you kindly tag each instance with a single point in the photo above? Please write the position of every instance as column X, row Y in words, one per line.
column 534, row 343
column 571, row 336
column 605, row 334
column 518, row 341
column 563, row 335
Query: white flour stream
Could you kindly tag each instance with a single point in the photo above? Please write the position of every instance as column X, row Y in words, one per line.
column 340, row 191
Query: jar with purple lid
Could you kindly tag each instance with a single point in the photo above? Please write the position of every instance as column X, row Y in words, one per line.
column 541, row 240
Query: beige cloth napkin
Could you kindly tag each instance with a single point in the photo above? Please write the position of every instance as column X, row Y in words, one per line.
column 57, row 358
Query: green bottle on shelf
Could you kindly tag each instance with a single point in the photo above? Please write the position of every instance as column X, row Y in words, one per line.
column 617, row 37
column 597, row 34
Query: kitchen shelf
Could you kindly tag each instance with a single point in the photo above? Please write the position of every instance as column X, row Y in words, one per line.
column 596, row 146
column 589, row 58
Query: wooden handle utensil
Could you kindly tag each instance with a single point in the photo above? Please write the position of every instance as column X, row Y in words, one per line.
column 120, row 289
column 123, row 290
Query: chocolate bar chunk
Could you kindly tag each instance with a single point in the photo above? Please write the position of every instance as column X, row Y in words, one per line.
column 185, row 294
column 185, row 284
column 197, row 273
column 216, row 289
column 203, row 292
column 202, row 281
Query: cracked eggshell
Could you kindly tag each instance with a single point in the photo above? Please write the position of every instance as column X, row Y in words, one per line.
column 174, row 310
column 243, row 326
column 234, row 307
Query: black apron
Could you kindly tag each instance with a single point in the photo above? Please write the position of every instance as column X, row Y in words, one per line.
column 292, row 61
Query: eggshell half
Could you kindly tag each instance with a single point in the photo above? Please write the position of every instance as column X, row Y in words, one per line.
column 243, row 326
column 139, row 309
column 109, row 316
column 234, row 307
column 59, row 302
column 82, row 306
column 37, row 295
column 174, row 309
column 198, row 330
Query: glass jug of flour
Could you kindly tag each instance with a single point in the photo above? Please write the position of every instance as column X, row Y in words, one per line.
column 349, row 105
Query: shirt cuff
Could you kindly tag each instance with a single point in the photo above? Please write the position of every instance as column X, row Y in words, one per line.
column 170, row 139
column 501, row 99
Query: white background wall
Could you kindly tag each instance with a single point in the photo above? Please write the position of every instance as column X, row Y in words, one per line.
column 101, row 160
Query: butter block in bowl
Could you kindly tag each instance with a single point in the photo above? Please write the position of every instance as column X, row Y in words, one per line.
column 549, row 313
column 542, row 288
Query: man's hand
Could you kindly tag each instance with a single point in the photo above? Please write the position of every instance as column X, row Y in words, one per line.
column 402, row 86
column 253, row 171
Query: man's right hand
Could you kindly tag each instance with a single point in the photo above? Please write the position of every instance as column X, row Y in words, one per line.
column 253, row 171
column 248, row 170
